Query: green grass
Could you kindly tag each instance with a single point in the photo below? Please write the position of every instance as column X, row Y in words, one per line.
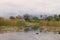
column 16, row 25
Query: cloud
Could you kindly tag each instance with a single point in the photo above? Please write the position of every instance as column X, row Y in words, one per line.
column 29, row 6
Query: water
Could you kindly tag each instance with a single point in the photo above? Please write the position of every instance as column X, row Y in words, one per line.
column 31, row 35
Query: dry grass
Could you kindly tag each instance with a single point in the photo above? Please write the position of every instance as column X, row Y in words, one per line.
column 50, row 25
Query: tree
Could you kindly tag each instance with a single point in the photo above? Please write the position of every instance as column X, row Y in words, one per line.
column 35, row 18
column 11, row 17
column 56, row 17
column 49, row 18
column 59, row 16
column 18, row 17
column 26, row 17
column 41, row 16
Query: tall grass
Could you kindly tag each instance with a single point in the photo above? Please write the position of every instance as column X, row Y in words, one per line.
column 16, row 25
column 50, row 23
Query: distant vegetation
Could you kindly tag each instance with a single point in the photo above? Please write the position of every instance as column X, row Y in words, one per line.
column 50, row 23
column 50, row 20
column 18, row 23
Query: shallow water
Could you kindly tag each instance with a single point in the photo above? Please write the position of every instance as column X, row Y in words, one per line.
column 29, row 36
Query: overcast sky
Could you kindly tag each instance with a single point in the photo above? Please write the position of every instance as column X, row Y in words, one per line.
column 16, row 7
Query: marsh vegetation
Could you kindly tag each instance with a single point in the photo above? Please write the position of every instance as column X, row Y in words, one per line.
column 19, row 23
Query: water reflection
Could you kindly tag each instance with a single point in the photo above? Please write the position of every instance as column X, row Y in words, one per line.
column 30, row 35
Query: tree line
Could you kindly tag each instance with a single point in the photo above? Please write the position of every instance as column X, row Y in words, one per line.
column 30, row 18
column 51, row 17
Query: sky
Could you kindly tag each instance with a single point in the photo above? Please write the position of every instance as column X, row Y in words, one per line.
column 35, row 7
